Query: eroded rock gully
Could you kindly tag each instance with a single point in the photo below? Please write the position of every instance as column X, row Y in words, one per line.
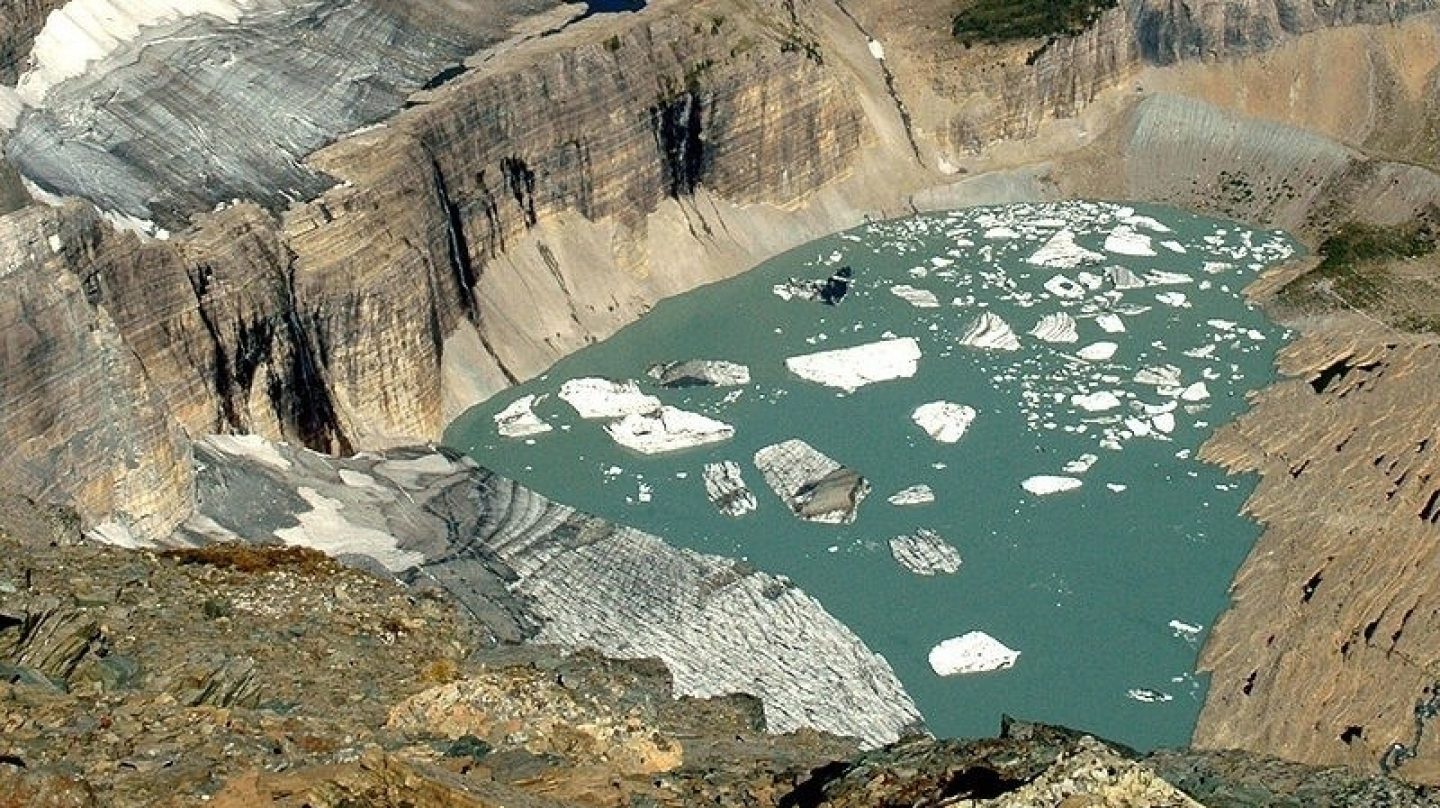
column 513, row 213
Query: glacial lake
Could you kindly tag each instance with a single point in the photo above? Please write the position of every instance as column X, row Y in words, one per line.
column 1106, row 591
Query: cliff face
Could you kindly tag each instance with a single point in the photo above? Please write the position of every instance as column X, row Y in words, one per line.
column 82, row 423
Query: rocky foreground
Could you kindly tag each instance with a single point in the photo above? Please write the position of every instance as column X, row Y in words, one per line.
column 241, row 676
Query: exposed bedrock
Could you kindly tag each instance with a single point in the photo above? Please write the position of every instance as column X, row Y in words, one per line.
column 80, row 421
column 1329, row 652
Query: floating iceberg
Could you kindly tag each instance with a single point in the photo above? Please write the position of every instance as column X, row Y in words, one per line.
column 830, row 291
column 700, row 373
column 1189, row 632
column 976, row 652
column 1110, row 323
column 726, row 488
column 1160, row 277
column 852, row 368
column 1123, row 279
column 1146, row 222
column 1159, row 376
column 920, row 494
column 1096, row 402
column 1195, row 392
column 989, row 331
column 1176, row 300
column 1147, row 695
column 1061, row 252
column 668, row 429
column 519, row 420
column 1061, row 286
column 1164, row 422
column 944, row 421
column 1123, row 240
column 1081, row 464
column 602, row 398
column 1097, row 351
column 1043, row 484
column 925, row 553
column 1059, row 327
column 815, row 487
column 919, row 298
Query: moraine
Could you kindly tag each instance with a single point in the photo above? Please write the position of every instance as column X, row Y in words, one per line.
column 1097, row 345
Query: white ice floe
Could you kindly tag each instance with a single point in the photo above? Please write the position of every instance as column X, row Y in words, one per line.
column 919, row 494
column 976, row 652
column 1174, row 246
column 919, row 298
column 1188, row 632
column 1164, row 422
column 1099, row 401
column 1160, row 277
column 700, row 372
column 1176, row 300
column 668, row 429
column 1061, row 286
column 1043, row 484
column 726, row 489
column 1097, row 351
column 1061, row 252
column 1123, row 240
column 1116, row 487
column 519, row 420
column 1138, row 427
column 1110, row 323
column 1000, row 233
column 1147, row 695
column 1123, row 279
column 1159, row 376
column 602, row 398
column 1146, row 222
column 815, row 487
column 991, row 332
column 1081, row 464
column 945, row 421
column 852, row 368
column 1058, row 327
column 925, row 553
column 1195, row 392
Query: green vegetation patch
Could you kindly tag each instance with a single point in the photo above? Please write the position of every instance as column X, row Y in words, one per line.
column 1354, row 268
column 1004, row 20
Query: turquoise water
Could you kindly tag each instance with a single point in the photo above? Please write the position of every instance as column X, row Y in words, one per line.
column 1084, row 584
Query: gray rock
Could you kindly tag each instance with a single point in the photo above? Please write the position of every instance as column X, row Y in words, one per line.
column 700, row 373
column 815, row 487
